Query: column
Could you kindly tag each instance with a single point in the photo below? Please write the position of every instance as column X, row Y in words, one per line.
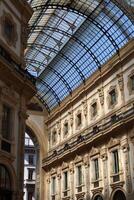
column 48, row 188
column 128, row 181
column 105, row 174
column 71, row 169
column 87, row 181
column 59, row 186
column 20, row 155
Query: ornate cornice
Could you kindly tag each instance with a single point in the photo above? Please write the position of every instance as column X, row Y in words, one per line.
column 107, row 69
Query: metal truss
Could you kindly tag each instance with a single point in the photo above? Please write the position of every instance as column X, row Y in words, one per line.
column 51, row 89
column 90, row 16
column 55, row 72
column 64, row 57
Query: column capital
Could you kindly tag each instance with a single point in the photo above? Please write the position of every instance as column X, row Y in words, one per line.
column 23, row 115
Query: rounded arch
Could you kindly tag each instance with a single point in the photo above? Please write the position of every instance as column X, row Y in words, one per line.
column 12, row 174
column 36, row 134
column 118, row 194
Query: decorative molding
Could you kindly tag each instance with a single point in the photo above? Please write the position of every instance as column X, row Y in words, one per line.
column 71, row 167
column 64, row 165
column 80, row 195
column 58, row 123
column 94, row 151
column 120, row 81
column 96, row 191
column 23, row 115
column 101, row 95
column 118, row 184
column 125, row 145
column 84, row 103
column 86, row 160
column 53, row 171
column 78, row 159
column 103, row 154
column 113, row 142
column 71, row 117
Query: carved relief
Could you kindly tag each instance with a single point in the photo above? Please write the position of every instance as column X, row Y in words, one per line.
column 113, row 142
column 64, row 165
column 80, row 196
column 85, row 107
column 71, row 117
column 103, row 154
column 101, row 95
column 120, row 81
column 58, row 127
column 94, row 151
column 78, row 159
column 59, row 174
column 9, row 29
column 86, row 160
column 71, row 167
column 53, row 171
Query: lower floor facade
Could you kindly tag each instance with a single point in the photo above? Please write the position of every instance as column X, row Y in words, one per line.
column 102, row 169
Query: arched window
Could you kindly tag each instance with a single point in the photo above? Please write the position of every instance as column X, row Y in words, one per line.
column 5, row 184
column 98, row 197
column 119, row 195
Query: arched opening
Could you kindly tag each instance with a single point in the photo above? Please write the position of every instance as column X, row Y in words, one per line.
column 30, row 165
column 5, row 184
column 98, row 197
column 119, row 195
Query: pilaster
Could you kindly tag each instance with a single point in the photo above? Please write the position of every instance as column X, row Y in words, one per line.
column 125, row 149
column 71, row 169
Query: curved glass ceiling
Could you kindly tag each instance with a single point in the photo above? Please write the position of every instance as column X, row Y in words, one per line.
column 70, row 39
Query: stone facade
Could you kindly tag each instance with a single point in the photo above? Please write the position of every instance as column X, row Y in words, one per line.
column 16, row 89
column 97, row 151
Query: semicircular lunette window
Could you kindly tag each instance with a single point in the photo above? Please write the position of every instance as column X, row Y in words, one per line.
column 68, row 42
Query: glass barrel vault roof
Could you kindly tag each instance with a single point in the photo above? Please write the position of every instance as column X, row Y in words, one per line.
column 71, row 39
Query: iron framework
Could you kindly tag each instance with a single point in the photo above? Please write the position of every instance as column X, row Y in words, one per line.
column 69, row 40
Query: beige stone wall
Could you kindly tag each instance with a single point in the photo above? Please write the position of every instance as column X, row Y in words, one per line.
column 85, row 106
column 115, row 132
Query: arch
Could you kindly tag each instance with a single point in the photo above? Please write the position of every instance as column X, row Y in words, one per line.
column 33, row 128
column 98, row 196
column 35, row 132
column 118, row 194
column 12, row 174
column 7, row 181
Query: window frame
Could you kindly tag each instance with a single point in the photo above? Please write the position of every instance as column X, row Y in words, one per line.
column 8, row 124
